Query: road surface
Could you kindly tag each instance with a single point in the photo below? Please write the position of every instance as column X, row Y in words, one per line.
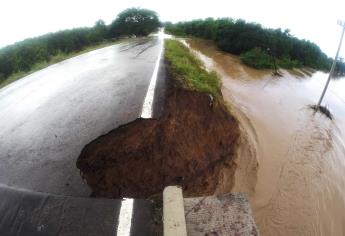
column 30, row 213
column 48, row 117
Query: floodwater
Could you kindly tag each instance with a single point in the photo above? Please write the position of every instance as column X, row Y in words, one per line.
column 291, row 161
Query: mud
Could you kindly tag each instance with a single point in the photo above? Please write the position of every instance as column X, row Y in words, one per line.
column 191, row 145
column 294, row 157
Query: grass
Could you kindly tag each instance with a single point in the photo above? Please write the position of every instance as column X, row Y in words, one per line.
column 54, row 59
column 188, row 70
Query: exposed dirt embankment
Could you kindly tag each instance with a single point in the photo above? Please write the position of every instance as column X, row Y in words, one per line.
column 192, row 144
column 188, row 145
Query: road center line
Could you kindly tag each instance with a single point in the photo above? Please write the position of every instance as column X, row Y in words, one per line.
column 125, row 217
column 148, row 102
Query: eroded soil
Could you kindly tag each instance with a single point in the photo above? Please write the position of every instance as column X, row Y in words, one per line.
column 191, row 145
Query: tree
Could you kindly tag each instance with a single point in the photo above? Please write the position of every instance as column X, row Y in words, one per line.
column 22, row 56
column 254, row 42
column 135, row 21
column 101, row 28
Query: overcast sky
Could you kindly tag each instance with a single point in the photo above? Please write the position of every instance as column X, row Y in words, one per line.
column 311, row 19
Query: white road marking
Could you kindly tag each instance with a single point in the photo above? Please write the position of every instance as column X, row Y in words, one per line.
column 148, row 102
column 125, row 217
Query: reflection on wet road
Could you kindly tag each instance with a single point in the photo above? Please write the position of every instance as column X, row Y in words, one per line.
column 47, row 117
column 298, row 157
column 26, row 213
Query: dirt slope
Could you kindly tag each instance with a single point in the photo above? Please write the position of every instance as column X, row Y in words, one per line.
column 190, row 144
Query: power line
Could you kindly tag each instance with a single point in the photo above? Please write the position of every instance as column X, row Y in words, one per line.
column 341, row 23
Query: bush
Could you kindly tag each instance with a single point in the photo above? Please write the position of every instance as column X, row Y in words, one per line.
column 257, row 58
column 287, row 63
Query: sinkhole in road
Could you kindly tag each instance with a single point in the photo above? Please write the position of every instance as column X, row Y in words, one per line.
column 192, row 145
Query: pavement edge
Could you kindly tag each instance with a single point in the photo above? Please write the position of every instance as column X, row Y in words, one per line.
column 174, row 221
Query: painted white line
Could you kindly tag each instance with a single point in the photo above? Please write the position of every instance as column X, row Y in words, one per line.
column 148, row 102
column 125, row 217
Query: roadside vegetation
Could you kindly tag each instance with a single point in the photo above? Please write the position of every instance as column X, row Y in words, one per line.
column 53, row 60
column 257, row 46
column 189, row 70
column 32, row 54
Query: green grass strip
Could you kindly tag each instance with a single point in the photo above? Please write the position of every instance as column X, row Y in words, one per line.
column 187, row 69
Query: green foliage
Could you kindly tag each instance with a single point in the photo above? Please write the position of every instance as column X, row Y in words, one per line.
column 339, row 68
column 52, row 60
column 135, row 21
column 288, row 63
column 257, row 58
column 187, row 69
column 24, row 56
column 239, row 37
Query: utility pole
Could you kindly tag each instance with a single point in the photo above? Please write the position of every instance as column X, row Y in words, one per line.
column 342, row 24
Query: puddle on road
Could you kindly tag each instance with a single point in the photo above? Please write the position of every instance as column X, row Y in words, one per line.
column 292, row 164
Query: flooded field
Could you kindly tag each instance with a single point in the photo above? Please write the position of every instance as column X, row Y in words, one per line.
column 291, row 162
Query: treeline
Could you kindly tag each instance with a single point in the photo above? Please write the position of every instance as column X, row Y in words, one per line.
column 22, row 56
column 339, row 68
column 257, row 46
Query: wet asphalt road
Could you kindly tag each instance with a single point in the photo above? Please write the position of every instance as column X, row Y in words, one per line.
column 49, row 116
column 30, row 213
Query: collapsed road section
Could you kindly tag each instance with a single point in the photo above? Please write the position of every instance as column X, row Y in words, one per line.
column 190, row 145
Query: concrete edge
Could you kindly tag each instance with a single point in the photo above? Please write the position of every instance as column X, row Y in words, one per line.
column 174, row 221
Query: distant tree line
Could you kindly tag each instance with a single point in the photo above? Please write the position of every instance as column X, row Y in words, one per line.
column 257, row 46
column 340, row 68
column 22, row 56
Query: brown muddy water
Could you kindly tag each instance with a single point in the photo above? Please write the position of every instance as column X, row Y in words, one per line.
column 291, row 162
